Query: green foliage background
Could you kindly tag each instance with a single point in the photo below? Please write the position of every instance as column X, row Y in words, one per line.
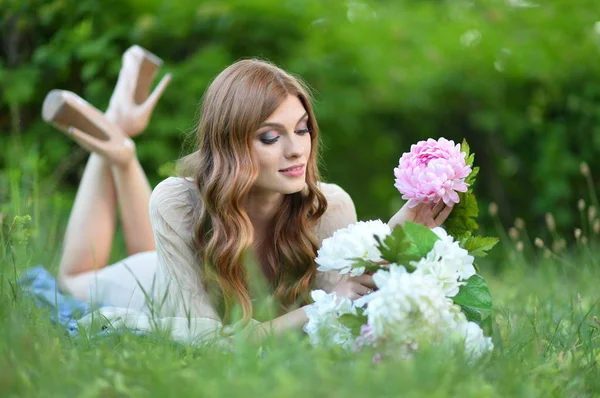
column 520, row 81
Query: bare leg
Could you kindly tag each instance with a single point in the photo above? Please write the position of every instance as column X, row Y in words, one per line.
column 107, row 179
column 129, row 181
column 90, row 230
column 128, row 178
column 132, row 187
column 133, row 194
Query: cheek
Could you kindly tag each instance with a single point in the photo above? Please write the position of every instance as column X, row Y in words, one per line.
column 267, row 158
column 307, row 143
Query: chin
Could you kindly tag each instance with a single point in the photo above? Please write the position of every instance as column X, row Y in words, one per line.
column 289, row 187
column 280, row 185
column 295, row 188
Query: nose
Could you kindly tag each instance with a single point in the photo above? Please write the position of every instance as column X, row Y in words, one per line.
column 295, row 147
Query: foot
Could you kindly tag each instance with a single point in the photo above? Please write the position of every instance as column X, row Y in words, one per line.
column 131, row 103
column 88, row 127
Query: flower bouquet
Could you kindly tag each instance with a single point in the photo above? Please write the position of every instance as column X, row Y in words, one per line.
column 428, row 290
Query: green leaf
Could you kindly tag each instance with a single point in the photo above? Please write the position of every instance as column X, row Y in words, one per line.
column 406, row 243
column 469, row 157
column 353, row 322
column 478, row 246
column 464, row 147
column 475, row 294
column 461, row 222
column 471, row 314
column 396, row 247
column 487, row 324
column 422, row 238
column 469, row 160
column 471, row 178
column 358, row 262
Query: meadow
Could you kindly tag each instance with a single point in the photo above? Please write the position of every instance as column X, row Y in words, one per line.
column 546, row 331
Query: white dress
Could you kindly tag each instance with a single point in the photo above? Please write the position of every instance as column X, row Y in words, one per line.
column 167, row 283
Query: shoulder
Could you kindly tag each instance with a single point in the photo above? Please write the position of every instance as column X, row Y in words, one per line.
column 174, row 192
column 340, row 211
column 175, row 201
column 336, row 196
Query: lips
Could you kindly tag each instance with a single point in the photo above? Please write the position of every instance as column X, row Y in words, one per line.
column 296, row 167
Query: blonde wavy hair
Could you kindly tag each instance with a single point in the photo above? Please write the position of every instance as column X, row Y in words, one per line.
column 238, row 100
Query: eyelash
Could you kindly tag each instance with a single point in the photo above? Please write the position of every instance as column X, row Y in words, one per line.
column 274, row 140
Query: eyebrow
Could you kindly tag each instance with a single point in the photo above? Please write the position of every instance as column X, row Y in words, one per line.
column 279, row 125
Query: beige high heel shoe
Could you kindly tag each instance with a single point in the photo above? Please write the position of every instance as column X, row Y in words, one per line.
column 148, row 67
column 87, row 126
column 131, row 103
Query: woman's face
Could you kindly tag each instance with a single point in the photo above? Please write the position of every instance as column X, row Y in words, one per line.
column 281, row 145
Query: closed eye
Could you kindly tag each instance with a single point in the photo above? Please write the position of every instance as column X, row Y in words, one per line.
column 269, row 141
column 269, row 137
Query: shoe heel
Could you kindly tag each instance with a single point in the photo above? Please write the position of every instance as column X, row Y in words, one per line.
column 64, row 109
column 149, row 66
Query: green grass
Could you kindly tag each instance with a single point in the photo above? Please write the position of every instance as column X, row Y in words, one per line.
column 547, row 340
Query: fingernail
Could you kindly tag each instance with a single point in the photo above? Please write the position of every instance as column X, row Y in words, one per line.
column 70, row 130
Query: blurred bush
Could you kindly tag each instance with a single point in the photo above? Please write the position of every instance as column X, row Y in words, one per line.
column 519, row 80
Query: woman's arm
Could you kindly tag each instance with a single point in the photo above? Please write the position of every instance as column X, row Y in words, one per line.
column 178, row 272
column 293, row 320
column 352, row 288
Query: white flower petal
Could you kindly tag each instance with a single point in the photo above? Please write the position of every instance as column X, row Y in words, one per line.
column 323, row 326
column 355, row 241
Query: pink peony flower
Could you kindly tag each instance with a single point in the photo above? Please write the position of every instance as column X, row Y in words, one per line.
column 432, row 171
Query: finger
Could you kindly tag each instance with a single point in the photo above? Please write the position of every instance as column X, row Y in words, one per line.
column 157, row 93
column 365, row 280
column 441, row 218
column 87, row 141
column 419, row 208
column 437, row 208
column 364, row 290
column 424, row 213
column 354, row 296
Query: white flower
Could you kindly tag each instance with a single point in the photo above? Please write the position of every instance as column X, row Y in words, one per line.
column 408, row 308
column 356, row 240
column 448, row 263
column 324, row 327
column 476, row 344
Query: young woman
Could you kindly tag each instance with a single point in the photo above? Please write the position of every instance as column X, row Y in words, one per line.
column 251, row 186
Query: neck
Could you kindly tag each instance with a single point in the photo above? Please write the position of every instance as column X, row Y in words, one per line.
column 261, row 208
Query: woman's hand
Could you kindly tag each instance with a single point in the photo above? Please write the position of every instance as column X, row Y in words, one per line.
column 355, row 287
column 429, row 214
